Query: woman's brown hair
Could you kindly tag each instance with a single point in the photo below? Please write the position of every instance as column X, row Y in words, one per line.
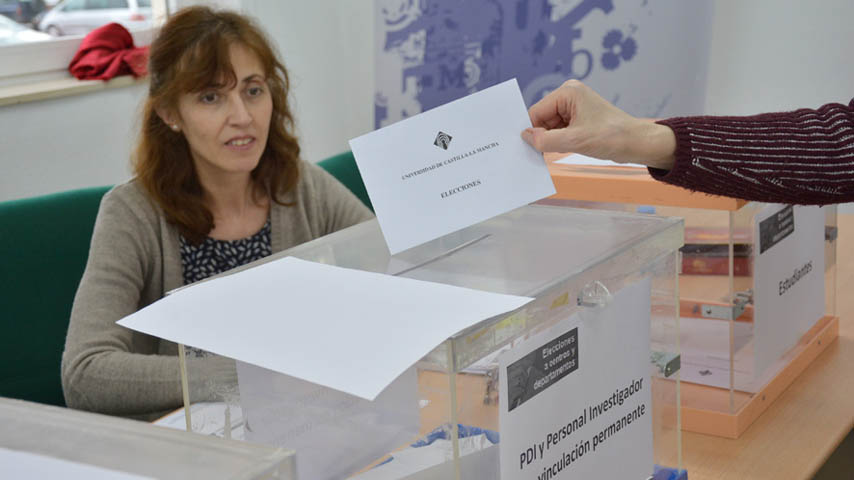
column 190, row 53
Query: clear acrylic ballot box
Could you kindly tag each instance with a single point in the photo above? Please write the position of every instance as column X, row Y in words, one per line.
column 757, row 288
column 41, row 441
column 583, row 382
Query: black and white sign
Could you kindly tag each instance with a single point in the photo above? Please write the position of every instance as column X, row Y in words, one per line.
column 775, row 228
column 542, row 368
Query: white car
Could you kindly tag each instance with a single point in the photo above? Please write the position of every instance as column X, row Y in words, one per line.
column 79, row 17
column 12, row 32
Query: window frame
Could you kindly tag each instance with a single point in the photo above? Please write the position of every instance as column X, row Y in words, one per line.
column 39, row 58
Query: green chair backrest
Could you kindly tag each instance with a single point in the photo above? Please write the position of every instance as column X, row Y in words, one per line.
column 343, row 167
column 44, row 244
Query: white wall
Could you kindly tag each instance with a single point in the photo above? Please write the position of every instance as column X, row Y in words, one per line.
column 773, row 55
column 766, row 55
column 70, row 142
column 327, row 47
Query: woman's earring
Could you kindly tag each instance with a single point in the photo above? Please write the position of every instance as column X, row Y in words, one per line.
column 174, row 127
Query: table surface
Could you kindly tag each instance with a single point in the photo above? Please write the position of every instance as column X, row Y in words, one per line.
column 796, row 435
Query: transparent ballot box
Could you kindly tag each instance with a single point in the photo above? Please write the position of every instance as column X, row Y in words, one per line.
column 757, row 288
column 41, row 441
column 582, row 382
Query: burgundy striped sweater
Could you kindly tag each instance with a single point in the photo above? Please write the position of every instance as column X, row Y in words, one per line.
column 800, row 157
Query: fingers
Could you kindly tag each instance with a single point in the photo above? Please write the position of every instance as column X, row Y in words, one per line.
column 528, row 136
column 555, row 109
column 558, row 140
column 548, row 112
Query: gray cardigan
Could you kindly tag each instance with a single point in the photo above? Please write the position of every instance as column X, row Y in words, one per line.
column 133, row 261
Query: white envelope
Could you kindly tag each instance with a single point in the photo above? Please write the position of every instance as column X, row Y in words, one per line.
column 451, row 167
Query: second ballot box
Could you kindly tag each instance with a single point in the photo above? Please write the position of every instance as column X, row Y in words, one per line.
column 757, row 287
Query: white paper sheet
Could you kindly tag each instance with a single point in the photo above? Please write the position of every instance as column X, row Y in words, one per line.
column 346, row 329
column 788, row 281
column 23, row 465
column 451, row 167
column 584, row 160
column 705, row 353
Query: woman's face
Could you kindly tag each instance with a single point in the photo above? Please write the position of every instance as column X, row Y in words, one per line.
column 227, row 128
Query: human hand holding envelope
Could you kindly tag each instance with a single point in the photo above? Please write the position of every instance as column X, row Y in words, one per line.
column 450, row 167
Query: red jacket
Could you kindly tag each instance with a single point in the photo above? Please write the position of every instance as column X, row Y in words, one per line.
column 107, row 52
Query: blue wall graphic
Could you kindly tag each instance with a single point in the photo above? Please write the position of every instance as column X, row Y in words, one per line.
column 637, row 53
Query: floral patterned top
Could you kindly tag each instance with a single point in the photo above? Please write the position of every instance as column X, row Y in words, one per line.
column 212, row 256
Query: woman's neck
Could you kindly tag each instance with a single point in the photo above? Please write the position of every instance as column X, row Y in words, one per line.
column 231, row 197
column 238, row 209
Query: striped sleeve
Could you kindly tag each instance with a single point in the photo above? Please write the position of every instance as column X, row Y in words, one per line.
column 800, row 157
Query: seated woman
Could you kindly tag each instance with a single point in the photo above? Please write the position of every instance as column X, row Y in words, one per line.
column 218, row 184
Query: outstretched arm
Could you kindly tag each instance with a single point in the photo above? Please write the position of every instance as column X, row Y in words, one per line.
column 801, row 157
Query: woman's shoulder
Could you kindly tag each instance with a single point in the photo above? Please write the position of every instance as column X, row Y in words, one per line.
column 315, row 186
column 130, row 191
column 310, row 173
column 311, row 180
column 130, row 198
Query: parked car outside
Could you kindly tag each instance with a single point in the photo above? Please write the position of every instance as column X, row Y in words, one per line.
column 9, row 8
column 21, row 11
column 79, row 17
column 12, row 33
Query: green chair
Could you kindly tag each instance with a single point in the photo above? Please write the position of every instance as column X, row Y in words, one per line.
column 343, row 167
column 44, row 244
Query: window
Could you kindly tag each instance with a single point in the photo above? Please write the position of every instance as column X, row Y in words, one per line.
column 105, row 4
column 38, row 48
column 73, row 5
column 35, row 51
